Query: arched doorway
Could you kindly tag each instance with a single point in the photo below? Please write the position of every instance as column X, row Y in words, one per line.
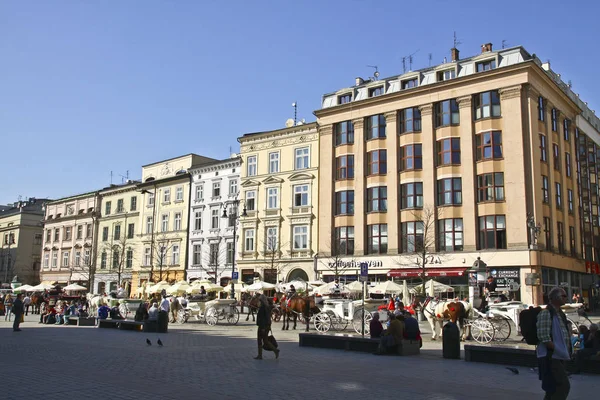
column 298, row 274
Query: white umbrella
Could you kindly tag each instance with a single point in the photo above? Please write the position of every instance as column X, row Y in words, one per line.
column 318, row 282
column 260, row 285
column 208, row 286
column 431, row 288
column 434, row 286
column 178, row 288
column 328, row 288
column 388, row 287
column 159, row 287
column 405, row 293
column 355, row 286
column 240, row 287
column 24, row 288
column 41, row 287
column 74, row 287
column 297, row 284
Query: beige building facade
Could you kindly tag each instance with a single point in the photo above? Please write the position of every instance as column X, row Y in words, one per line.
column 279, row 189
column 488, row 147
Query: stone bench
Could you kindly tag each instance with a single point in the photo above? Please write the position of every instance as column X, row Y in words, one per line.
column 81, row 321
column 130, row 325
column 109, row 323
column 354, row 343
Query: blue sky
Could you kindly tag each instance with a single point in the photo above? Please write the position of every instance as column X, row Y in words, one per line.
column 88, row 87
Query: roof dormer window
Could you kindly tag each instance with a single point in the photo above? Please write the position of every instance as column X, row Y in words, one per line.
column 486, row 65
column 376, row 91
column 410, row 83
column 345, row 98
column 446, row 75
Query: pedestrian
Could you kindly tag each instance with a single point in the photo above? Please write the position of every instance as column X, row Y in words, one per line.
column 589, row 347
column 26, row 303
column 17, row 309
column 175, row 307
column 263, row 321
column 163, row 314
column 554, row 348
column 375, row 327
column 8, row 303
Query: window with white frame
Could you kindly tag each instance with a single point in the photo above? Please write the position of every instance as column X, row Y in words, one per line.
column 178, row 221
column 213, row 254
column 272, row 198
column 179, row 193
column 88, row 231
column 230, row 250
column 251, row 166
column 166, row 195
column 233, row 187
column 54, row 260
column 65, row 260
column 249, row 240
column 129, row 258
column 274, row 162
column 77, row 258
column 164, row 224
column 147, row 256
column 197, row 254
column 162, row 255
column 175, row 252
column 86, row 257
column 116, row 259
column 149, row 224
column 79, row 231
column 214, row 218
column 46, row 261
column 198, row 221
column 300, row 195
column 200, row 192
column 272, row 237
column 251, row 200
column 103, row 258
column 301, row 159
column 150, row 199
column 300, row 237
column 216, row 189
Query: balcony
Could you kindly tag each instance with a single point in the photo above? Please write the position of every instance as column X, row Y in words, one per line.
column 272, row 212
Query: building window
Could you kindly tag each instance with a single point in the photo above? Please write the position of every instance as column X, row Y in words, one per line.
column 88, row 231
column 492, row 232
column 249, row 240
column 541, row 109
column 233, row 187
column 449, row 191
column 375, row 127
column 489, row 145
column 130, row 231
column 377, row 239
column 67, row 233
column 179, row 193
column 410, row 83
column 164, row 227
column 116, row 262
column 345, row 98
column 198, row 221
column 548, row 233
column 572, row 241
column 229, row 253
column 46, row 261
column 147, row 256
column 129, row 259
column 37, row 239
column 377, row 162
column 448, row 151
column 545, row 190
column 65, row 260
column 560, row 228
column 344, row 167
column 554, row 120
column 48, row 235
column 568, row 164
column 105, row 233
column 344, row 241
column 411, row 157
column 54, row 260
column 446, row 113
column 120, row 206
column 149, row 223
column 300, row 195
column 344, row 133
column 377, row 91
column 251, row 200
column 107, row 207
column 558, row 194
column 214, row 218
column 543, row 149
column 272, row 236
column 301, row 157
column 150, row 199
column 103, row 258
column 487, row 104
column 162, row 255
column 486, row 65
column 117, row 232
column 274, row 162
column 177, row 221
column 175, row 253
column 166, row 195
column 56, row 234
column 446, row 75
column 272, row 198
column 344, row 202
column 450, row 234
column 377, row 199
column 570, row 200
column 411, row 195
column 490, row 187
column 410, row 120
column 216, row 189
column 199, row 192
column 301, row 237
column 412, row 236
column 251, row 167
column 567, row 129
column 133, row 203
column 197, row 255
column 86, row 257
column 556, row 159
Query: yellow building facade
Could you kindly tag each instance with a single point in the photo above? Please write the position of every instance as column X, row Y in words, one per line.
column 279, row 189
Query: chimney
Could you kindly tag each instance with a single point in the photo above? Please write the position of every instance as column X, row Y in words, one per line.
column 454, row 52
column 486, row 47
column 359, row 81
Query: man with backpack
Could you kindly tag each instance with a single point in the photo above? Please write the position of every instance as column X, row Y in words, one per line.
column 554, row 347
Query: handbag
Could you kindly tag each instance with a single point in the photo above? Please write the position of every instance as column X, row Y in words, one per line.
column 271, row 339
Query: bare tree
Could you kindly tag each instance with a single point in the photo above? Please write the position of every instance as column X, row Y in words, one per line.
column 120, row 249
column 271, row 259
column 217, row 260
column 336, row 259
column 164, row 244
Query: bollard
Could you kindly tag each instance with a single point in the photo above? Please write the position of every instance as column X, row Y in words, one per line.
column 451, row 341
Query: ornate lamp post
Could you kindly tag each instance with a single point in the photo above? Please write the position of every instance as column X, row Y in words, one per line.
column 235, row 218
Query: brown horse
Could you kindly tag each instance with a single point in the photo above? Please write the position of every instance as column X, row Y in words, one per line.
column 36, row 301
column 295, row 308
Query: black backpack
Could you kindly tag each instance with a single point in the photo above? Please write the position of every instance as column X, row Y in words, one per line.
column 528, row 324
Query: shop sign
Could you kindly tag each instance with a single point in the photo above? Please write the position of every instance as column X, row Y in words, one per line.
column 506, row 278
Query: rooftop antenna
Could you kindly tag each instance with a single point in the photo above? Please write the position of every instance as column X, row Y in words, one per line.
column 403, row 64
column 456, row 41
column 124, row 178
column 570, row 84
column 410, row 61
column 430, row 56
column 295, row 105
column 111, row 177
column 503, row 44
column 376, row 73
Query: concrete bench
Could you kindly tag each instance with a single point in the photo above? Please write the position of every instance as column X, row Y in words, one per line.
column 81, row 321
column 108, row 323
column 354, row 343
column 130, row 325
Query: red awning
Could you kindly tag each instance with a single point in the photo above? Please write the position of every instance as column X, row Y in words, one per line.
column 430, row 272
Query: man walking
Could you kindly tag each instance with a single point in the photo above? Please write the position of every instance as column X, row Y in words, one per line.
column 17, row 309
column 163, row 314
column 27, row 303
column 554, row 349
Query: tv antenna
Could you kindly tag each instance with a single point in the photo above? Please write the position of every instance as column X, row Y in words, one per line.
column 124, row 178
column 456, row 41
column 410, row 62
column 295, row 105
column 503, row 43
column 376, row 73
column 430, row 56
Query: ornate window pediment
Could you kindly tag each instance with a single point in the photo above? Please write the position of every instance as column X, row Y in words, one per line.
column 250, row 183
column 271, row 180
column 301, row 176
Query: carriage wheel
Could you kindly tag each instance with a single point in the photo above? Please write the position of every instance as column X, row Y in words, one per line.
column 502, row 329
column 357, row 318
column 124, row 310
column 182, row 316
column 322, row 322
column 276, row 314
column 211, row 316
column 482, row 330
column 233, row 316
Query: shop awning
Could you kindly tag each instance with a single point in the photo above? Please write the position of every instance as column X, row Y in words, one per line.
column 429, row 272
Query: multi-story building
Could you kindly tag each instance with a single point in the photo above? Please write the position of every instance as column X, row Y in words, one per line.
column 118, row 237
column 215, row 188
column 163, row 219
column 280, row 173
column 21, row 234
column 489, row 147
column 68, row 254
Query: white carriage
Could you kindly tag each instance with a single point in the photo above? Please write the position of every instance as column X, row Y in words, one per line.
column 128, row 307
column 495, row 323
column 211, row 311
column 337, row 314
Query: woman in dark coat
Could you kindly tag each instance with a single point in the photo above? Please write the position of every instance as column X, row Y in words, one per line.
column 263, row 321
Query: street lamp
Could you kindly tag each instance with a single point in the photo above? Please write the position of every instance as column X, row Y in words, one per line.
column 144, row 191
column 234, row 217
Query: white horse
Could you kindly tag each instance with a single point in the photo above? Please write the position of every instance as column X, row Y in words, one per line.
column 437, row 312
column 94, row 301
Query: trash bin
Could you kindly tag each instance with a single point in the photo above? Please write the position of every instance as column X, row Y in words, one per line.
column 451, row 341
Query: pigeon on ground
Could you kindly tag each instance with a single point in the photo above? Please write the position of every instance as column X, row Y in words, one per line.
column 513, row 370
column 160, row 343
column 148, row 342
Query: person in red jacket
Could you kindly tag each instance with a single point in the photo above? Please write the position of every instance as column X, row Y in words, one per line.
column 391, row 307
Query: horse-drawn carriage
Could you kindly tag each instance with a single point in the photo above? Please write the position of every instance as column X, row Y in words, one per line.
column 211, row 311
column 337, row 314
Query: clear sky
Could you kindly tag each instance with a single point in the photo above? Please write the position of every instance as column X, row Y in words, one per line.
column 90, row 87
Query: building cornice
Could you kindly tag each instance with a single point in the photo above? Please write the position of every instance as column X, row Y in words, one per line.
column 227, row 164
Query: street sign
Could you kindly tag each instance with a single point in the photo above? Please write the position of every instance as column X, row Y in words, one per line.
column 234, row 276
column 364, row 271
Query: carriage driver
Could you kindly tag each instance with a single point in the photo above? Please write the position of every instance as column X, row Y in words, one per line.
column 290, row 294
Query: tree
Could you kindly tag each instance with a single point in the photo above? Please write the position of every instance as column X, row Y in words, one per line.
column 120, row 250
column 340, row 249
column 164, row 244
column 271, row 258
column 218, row 259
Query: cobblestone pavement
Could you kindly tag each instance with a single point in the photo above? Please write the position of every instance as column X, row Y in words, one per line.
column 199, row 361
